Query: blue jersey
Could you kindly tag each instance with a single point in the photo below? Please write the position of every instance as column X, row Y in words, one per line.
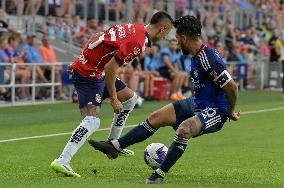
column 207, row 67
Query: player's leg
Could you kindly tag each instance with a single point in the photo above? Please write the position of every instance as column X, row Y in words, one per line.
column 89, row 98
column 209, row 120
column 162, row 117
column 187, row 129
column 128, row 99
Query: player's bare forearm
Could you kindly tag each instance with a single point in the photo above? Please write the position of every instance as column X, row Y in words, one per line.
column 231, row 92
column 110, row 71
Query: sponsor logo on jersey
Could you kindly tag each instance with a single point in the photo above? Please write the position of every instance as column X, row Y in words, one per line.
column 98, row 98
column 82, row 59
column 136, row 51
column 121, row 31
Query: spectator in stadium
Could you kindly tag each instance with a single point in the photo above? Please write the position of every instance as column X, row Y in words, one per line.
column 15, row 6
column 29, row 8
column 5, row 77
column 235, row 55
column 48, row 54
column 22, row 73
column 280, row 51
column 230, row 37
column 32, row 55
column 92, row 24
column 64, row 31
column 184, row 63
column 78, row 31
column 79, row 8
column 60, row 7
column 273, row 55
column 151, row 60
column 167, row 68
column 50, row 28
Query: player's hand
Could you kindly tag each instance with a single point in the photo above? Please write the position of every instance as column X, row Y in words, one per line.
column 69, row 69
column 235, row 116
column 116, row 105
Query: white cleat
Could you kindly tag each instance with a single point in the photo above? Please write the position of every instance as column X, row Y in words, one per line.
column 60, row 166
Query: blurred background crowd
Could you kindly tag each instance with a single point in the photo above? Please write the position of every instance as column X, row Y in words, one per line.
column 248, row 34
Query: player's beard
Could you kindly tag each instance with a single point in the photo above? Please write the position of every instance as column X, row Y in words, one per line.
column 184, row 49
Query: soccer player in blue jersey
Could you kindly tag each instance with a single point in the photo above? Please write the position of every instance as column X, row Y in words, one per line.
column 215, row 94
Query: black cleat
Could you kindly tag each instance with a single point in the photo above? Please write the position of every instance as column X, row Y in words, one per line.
column 105, row 147
column 155, row 178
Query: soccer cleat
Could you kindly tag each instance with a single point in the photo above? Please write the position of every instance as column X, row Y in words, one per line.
column 155, row 178
column 174, row 97
column 126, row 153
column 181, row 97
column 62, row 167
column 105, row 147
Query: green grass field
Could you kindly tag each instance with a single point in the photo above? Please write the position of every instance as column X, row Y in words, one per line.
column 248, row 153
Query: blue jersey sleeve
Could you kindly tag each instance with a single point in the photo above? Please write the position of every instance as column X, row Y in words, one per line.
column 213, row 65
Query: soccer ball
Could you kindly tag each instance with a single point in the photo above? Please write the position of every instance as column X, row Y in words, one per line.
column 154, row 155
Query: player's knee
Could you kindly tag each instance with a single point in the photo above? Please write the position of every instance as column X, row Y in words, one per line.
column 154, row 119
column 130, row 103
column 93, row 121
column 189, row 128
column 90, row 110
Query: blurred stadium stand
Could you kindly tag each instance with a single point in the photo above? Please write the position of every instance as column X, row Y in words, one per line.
column 245, row 32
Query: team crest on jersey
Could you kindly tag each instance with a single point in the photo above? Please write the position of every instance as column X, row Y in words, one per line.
column 98, row 98
column 195, row 72
column 136, row 51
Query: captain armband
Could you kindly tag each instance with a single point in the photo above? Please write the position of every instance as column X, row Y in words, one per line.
column 222, row 79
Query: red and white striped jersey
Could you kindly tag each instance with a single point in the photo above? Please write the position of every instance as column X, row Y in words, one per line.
column 124, row 42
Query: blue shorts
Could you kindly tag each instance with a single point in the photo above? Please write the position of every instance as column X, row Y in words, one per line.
column 212, row 119
column 92, row 90
column 165, row 72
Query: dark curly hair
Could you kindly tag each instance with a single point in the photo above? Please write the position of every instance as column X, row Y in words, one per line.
column 189, row 26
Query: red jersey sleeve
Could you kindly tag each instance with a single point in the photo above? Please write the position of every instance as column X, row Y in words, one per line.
column 127, row 52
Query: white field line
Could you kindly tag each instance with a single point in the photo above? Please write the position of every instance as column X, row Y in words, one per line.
column 129, row 126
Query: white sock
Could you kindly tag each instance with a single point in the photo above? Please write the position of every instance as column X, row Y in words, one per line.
column 119, row 120
column 86, row 128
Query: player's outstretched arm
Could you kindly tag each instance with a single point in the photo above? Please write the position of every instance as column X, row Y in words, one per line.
column 110, row 71
column 231, row 92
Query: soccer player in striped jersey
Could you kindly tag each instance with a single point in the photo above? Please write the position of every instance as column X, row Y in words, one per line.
column 215, row 94
column 103, row 55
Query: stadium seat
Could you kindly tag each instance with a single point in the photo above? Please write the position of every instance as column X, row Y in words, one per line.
column 162, row 88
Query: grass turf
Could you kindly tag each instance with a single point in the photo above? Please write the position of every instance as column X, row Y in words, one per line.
column 248, row 153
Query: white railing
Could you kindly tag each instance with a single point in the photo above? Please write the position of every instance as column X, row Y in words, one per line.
column 253, row 71
column 33, row 84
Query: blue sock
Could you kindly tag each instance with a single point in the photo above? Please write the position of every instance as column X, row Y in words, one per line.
column 137, row 134
column 174, row 153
